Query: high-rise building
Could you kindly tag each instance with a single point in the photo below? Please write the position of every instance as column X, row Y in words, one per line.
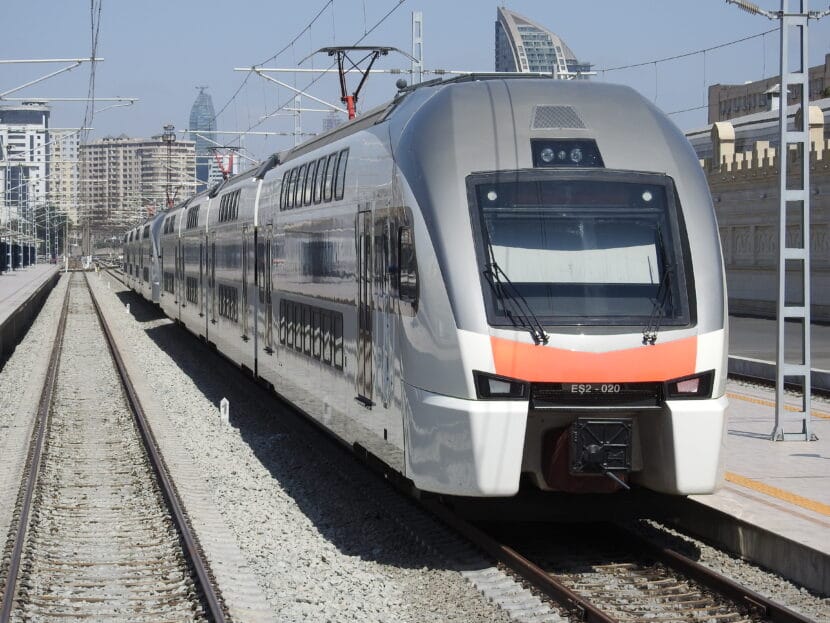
column 24, row 138
column 202, row 127
column 124, row 180
column 524, row 46
column 62, row 189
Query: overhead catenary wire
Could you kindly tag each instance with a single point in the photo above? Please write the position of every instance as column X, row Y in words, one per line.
column 95, row 9
column 317, row 78
column 275, row 56
column 686, row 54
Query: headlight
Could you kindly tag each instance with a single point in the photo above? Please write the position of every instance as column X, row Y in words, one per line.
column 570, row 152
column 690, row 387
column 492, row 387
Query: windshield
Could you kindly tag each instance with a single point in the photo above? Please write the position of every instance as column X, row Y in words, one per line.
column 585, row 250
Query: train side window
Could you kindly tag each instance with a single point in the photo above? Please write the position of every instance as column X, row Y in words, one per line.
column 326, row 337
column 308, row 187
column 306, row 329
column 298, row 186
column 330, row 170
column 289, row 326
column 283, row 194
column 282, row 321
column 338, row 341
column 340, row 179
column 289, row 192
column 407, row 267
column 319, row 180
column 315, row 334
column 298, row 327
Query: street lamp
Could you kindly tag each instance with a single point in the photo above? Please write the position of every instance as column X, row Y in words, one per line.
column 169, row 137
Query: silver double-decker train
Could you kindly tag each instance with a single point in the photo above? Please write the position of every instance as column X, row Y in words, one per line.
column 488, row 281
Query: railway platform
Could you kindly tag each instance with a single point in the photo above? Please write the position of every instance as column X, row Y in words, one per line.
column 774, row 505
column 22, row 293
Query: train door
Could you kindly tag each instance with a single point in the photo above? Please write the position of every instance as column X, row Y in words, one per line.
column 383, row 328
column 140, row 277
column 178, row 291
column 246, row 234
column 202, row 296
column 265, row 330
column 364, row 236
column 212, row 277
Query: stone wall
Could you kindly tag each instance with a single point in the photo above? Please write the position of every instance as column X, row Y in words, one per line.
column 745, row 191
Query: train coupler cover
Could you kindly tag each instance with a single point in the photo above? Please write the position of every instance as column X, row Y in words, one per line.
column 599, row 446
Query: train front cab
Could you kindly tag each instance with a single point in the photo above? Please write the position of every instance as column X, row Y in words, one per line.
column 148, row 279
column 593, row 372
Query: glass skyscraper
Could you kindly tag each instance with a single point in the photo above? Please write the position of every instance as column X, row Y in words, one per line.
column 525, row 46
column 202, row 126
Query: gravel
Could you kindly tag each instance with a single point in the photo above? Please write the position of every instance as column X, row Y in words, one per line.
column 762, row 581
column 100, row 544
column 21, row 380
column 314, row 525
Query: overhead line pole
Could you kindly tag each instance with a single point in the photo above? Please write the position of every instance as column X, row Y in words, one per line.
column 792, row 255
column 260, row 72
column 75, row 63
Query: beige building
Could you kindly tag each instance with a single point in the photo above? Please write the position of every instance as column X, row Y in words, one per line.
column 124, row 180
column 63, row 182
column 727, row 101
column 745, row 189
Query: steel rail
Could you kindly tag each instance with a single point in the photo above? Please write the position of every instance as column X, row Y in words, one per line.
column 537, row 576
column 529, row 571
column 33, row 466
column 756, row 603
column 193, row 552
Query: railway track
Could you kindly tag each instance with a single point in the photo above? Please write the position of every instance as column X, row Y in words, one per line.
column 615, row 577
column 601, row 573
column 100, row 534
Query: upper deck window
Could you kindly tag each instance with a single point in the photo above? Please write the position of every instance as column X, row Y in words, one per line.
column 298, row 186
column 192, row 217
column 340, row 180
column 331, row 165
column 320, row 180
column 229, row 207
column 308, row 187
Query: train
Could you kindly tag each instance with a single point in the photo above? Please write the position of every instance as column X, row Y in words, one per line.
column 489, row 283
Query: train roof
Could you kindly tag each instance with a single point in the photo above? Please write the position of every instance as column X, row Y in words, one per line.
column 381, row 113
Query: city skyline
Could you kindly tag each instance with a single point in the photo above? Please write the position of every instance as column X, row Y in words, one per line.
column 164, row 73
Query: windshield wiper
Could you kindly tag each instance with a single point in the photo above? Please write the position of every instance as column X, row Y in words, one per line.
column 507, row 292
column 658, row 309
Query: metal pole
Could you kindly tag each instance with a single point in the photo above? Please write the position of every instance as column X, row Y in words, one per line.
column 169, row 137
column 8, row 212
column 417, row 46
column 19, row 222
column 794, row 255
column 297, row 120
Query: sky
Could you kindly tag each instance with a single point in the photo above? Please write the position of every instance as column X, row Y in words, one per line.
column 160, row 50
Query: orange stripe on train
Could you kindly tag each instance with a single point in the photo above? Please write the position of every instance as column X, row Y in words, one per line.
column 658, row 362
